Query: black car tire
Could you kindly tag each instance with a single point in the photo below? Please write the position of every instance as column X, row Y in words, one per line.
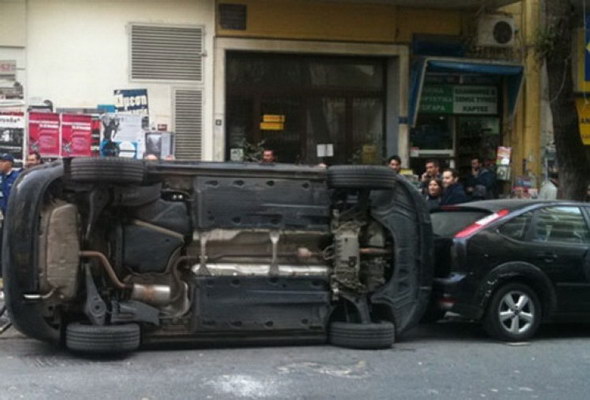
column 109, row 170
column 106, row 339
column 507, row 320
column 362, row 336
column 361, row 177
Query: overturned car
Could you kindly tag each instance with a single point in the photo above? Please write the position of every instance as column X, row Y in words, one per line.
column 104, row 254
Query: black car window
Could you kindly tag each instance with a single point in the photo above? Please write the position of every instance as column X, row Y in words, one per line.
column 449, row 223
column 516, row 228
column 560, row 225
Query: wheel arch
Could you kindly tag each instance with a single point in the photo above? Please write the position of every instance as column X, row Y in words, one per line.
column 518, row 272
column 405, row 297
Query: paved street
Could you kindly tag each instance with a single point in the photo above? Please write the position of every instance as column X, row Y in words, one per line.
column 450, row 360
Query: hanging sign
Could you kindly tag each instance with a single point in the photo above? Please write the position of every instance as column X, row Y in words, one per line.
column 459, row 99
column 44, row 134
column 583, row 107
column 437, row 99
column 134, row 101
column 76, row 135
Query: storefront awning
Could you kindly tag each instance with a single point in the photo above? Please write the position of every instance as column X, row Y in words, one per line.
column 513, row 74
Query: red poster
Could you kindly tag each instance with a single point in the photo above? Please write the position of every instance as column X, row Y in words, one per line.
column 44, row 134
column 76, row 135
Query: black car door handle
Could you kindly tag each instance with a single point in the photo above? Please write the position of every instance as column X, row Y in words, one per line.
column 547, row 256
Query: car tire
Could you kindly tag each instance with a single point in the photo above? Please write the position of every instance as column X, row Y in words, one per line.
column 514, row 313
column 362, row 336
column 361, row 177
column 108, row 170
column 105, row 339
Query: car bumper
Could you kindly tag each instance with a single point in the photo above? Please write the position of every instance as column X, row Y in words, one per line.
column 454, row 293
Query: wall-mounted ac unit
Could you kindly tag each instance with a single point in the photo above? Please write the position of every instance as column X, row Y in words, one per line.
column 495, row 31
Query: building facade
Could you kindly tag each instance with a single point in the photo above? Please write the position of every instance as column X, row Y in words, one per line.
column 335, row 81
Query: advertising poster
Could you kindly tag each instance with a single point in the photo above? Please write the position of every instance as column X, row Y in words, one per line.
column 44, row 135
column 123, row 132
column 76, row 135
column 12, row 127
column 160, row 144
column 133, row 101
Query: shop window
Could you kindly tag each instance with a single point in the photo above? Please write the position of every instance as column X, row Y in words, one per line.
column 477, row 136
column 367, row 123
column 188, row 123
column 308, row 109
column 166, row 53
column 432, row 132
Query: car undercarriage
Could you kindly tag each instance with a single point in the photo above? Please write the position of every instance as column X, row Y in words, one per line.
column 103, row 255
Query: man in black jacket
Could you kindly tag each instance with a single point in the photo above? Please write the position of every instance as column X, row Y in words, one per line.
column 480, row 184
column 453, row 191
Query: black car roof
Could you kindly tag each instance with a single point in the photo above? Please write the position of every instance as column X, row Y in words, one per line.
column 509, row 204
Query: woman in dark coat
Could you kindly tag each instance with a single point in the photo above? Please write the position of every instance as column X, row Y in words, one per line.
column 434, row 193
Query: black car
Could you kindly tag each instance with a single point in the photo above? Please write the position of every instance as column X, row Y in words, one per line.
column 513, row 263
column 103, row 254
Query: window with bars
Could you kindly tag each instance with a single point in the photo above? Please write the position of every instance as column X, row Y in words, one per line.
column 167, row 53
column 188, row 124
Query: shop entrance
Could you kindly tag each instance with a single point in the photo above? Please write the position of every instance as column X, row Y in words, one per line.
column 308, row 109
column 457, row 121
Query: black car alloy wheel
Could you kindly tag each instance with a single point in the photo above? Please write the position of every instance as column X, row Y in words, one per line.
column 514, row 313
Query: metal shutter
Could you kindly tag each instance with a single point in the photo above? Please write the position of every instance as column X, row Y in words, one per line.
column 188, row 108
column 166, row 53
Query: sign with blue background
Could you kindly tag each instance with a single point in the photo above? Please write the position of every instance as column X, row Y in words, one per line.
column 132, row 100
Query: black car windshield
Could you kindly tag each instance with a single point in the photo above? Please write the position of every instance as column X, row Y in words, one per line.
column 449, row 223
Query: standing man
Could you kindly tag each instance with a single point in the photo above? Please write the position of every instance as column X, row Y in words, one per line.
column 33, row 159
column 432, row 172
column 480, row 184
column 7, row 177
column 453, row 191
column 268, row 156
column 395, row 163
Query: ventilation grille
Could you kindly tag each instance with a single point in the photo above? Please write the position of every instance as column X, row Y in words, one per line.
column 166, row 53
column 188, row 106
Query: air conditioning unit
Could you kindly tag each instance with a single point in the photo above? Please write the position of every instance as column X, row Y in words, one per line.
column 495, row 31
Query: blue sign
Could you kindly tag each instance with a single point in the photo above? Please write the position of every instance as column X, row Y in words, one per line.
column 132, row 100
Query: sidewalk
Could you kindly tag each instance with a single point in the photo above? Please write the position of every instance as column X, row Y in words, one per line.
column 10, row 333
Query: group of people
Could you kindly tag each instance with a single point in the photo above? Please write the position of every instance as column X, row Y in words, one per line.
column 446, row 187
column 8, row 174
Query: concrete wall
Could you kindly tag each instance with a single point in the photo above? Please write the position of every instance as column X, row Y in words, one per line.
column 12, row 23
column 355, row 22
column 78, row 52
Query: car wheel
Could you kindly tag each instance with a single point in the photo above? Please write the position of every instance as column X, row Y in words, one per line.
column 109, row 169
column 95, row 339
column 361, row 177
column 362, row 336
column 514, row 313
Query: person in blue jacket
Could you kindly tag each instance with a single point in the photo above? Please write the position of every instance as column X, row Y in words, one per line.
column 7, row 177
column 453, row 191
column 480, row 183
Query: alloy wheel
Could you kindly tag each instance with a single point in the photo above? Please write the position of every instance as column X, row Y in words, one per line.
column 516, row 312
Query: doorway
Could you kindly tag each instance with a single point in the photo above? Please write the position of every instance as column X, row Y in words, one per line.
column 308, row 109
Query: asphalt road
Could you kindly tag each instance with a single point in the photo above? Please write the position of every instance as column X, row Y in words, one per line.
column 448, row 360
